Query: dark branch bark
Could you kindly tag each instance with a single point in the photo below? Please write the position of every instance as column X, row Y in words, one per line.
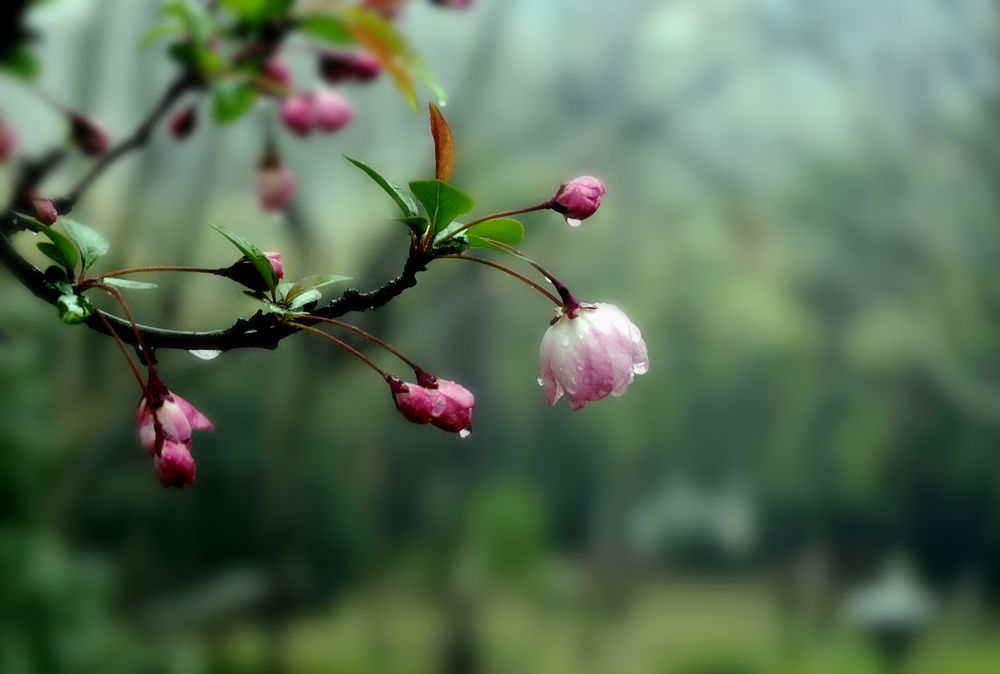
column 137, row 139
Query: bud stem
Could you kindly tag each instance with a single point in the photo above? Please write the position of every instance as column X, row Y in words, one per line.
column 342, row 344
column 167, row 268
column 124, row 350
column 507, row 270
column 116, row 294
column 370, row 337
column 505, row 214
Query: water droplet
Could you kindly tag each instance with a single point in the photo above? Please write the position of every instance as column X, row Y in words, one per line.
column 573, row 222
column 640, row 368
column 205, row 354
column 540, row 382
column 442, row 103
column 565, row 341
column 464, row 433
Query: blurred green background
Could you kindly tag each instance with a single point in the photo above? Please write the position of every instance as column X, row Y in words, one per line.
column 802, row 218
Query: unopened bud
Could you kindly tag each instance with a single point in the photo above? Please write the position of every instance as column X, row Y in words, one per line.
column 88, row 135
column 275, row 184
column 183, row 122
column 336, row 66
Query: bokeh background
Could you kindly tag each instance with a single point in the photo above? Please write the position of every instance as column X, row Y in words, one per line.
column 802, row 218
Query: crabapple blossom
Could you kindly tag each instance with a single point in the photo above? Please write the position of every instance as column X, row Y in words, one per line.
column 414, row 401
column 331, row 112
column 453, row 405
column 589, row 352
column 165, row 433
column 45, row 210
column 175, row 466
column 297, row 113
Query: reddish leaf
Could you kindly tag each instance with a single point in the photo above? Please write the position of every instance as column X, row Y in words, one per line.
column 444, row 145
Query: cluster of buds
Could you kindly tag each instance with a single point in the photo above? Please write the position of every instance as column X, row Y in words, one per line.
column 166, row 422
column 323, row 109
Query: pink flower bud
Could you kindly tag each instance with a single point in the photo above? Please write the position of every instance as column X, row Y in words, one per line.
column 297, row 113
column 88, row 135
column 589, row 352
column 277, row 74
column 331, row 112
column 45, row 210
column 175, row 465
column 336, row 66
column 243, row 272
column 183, row 122
column 415, row 402
column 8, row 141
column 453, row 405
column 275, row 184
column 579, row 199
column 275, row 260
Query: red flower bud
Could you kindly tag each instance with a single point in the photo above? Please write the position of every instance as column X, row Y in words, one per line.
column 88, row 135
column 175, row 465
column 275, row 184
column 243, row 272
column 453, row 407
column 579, row 199
column 165, row 427
column 8, row 141
column 336, row 66
column 277, row 73
column 296, row 113
column 415, row 402
column 45, row 210
column 184, row 122
column 331, row 112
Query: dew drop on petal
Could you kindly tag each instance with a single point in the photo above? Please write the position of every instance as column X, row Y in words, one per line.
column 573, row 222
column 640, row 368
column 540, row 382
column 464, row 433
column 205, row 354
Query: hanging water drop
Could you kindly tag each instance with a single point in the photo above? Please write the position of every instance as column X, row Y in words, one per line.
column 573, row 222
column 540, row 382
column 205, row 354
column 464, row 433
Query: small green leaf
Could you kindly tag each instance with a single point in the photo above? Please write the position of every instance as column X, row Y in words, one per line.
column 305, row 298
column 66, row 246
column 504, row 230
column 442, row 201
column 21, row 62
column 54, row 253
column 74, row 309
column 160, row 31
column 311, row 283
column 326, row 28
column 252, row 253
column 128, row 283
column 91, row 244
column 231, row 101
column 257, row 11
column 405, row 202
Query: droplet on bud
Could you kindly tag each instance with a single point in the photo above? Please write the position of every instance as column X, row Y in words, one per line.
column 464, row 433
column 573, row 222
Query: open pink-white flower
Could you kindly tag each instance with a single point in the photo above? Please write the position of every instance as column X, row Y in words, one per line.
column 589, row 352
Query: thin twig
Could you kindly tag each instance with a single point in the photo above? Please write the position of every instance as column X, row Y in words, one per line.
column 507, row 270
column 342, row 344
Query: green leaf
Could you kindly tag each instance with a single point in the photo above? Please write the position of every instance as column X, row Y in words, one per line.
column 67, row 249
column 231, row 101
column 304, row 299
column 326, row 28
column 442, row 201
column 257, row 10
column 21, row 62
column 127, row 283
column 91, row 244
column 402, row 198
column 311, row 283
column 252, row 253
column 193, row 17
column 504, row 230
column 54, row 253
column 74, row 309
column 160, row 31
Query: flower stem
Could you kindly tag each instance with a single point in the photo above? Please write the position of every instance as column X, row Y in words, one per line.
column 124, row 350
column 505, row 214
column 507, row 270
column 115, row 293
column 568, row 300
column 342, row 344
column 370, row 337
column 166, row 268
